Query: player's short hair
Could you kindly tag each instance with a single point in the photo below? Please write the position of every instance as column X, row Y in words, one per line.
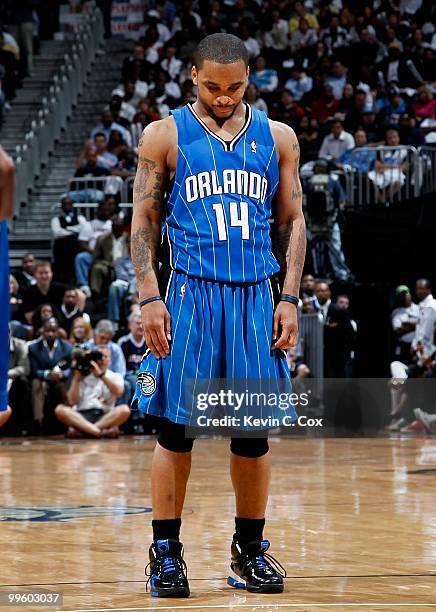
column 220, row 48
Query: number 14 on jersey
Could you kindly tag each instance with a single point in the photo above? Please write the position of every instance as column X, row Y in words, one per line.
column 238, row 218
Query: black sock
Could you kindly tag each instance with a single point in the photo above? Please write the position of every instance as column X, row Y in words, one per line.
column 166, row 529
column 248, row 530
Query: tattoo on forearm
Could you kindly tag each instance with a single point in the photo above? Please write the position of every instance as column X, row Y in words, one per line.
column 282, row 242
column 143, row 244
column 290, row 243
column 146, row 167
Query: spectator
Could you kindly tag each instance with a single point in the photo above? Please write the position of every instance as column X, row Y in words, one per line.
column 389, row 174
column 375, row 134
column 301, row 13
column 91, row 400
column 338, row 342
column 19, row 387
column 276, row 38
column 307, row 134
column 393, row 107
column 303, row 38
column 9, row 76
column 265, row 79
column 253, row 99
column 25, row 276
column 108, row 125
column 337, row 79
column 15, row 301
column 108, row 248
column 170, row 63
column 49, row 366
column 326, row 106
column 323, row 295
column 424, row 106
column 354, row 117
column 65, row 230
column 135, row 67
column 126, row 167
column 425, row 326
column 71, row 310
column 249, row 41
column 124, row 285
column 299, row 83
column 410, row 134
column 363, row 54
column 104, row 332
column 335, row 37
column 346, row 102
column 404, row 319
column 43, row 313
column 90, row 169
column 81, row 332
column 86, row 243
column 343, row 302
column 360, row 158
column 44, row 291
column 287, row 110
column 105, row 159
column 307, row 293
column 22, row 27
column 116, row 144
column 337, row 142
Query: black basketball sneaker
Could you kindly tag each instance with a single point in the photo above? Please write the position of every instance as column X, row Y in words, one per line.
column 168, row 571
column 253, row 569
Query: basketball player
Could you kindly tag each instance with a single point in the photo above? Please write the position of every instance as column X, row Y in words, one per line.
column 210, row 314
column 7, row 191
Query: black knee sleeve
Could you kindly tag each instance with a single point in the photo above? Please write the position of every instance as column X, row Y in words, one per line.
column 172, row 437
column 249, row 447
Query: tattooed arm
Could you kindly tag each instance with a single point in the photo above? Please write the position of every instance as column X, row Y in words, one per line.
column 148, row 202
column 289, row 233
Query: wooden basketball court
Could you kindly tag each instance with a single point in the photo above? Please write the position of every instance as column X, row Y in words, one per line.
column 352, row 520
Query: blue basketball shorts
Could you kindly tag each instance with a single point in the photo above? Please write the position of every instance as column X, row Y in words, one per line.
column 219, row 331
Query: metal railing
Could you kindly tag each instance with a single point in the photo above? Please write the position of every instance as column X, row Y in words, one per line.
column 56, row 108
column 382, row 175
column 426, row 170
column 93, row 189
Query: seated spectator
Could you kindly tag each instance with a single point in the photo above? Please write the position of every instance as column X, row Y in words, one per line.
column 424, row 106
column 41, row 314
column 86, row 244
column 81, row 332
column 287, row 110
column 136, row 66
column 326, row 106
column 44, row 291
column 404, row 318
column 363, row 53
column 108, row 125
column 108, row 248
column 91, row 400
column 127, row 165
column 393, row 107
column 323, row 296
column 19, row 387
column 337, row 142
column 337, row 79
column 307, row 133
column 123, row 286
column 65, row 230
column 15, row 301
column 303, row 37
column 360, row 158
column 275, row 38
column 335, row 37
column 346, row 102
column 25, row 276
column 105, row 159
column 389, row 174
column 301, row 13
column 251, row 44
column 410, row 134
column 299, row 83
column 375, row 133
column 49, row 367
column 253, row 98
column 117, row 143
column 104, row 332
column 170, row 63
column 354, row 117
column 90, row 169
column 265, row 79
column 71, row 310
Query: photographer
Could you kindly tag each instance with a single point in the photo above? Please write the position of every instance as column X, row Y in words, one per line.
column 92, row 396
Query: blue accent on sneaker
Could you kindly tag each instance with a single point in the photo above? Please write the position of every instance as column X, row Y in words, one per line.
column 234, row 583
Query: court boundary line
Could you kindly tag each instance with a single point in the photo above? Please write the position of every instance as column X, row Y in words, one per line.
column 256, row 605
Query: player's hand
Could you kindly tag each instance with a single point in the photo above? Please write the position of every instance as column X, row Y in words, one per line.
column 285, row 334
column 156, row 323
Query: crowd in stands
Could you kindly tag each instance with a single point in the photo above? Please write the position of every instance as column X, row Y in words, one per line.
column 348, row 77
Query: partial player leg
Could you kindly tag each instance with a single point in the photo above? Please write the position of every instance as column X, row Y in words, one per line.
column 169, row 476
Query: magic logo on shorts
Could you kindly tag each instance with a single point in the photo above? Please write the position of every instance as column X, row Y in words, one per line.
column 147, row 382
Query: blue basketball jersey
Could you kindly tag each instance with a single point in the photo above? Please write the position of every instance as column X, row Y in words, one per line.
column 4, row 319
column 218, row 212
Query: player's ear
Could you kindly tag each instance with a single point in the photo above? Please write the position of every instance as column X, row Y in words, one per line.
column 194, row 75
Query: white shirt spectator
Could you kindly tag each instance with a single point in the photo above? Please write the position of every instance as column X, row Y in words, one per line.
column 300, row 86
column 173, row 66
column 94, row 393
column 402, row 315
column 252, row 47
column 303, row 39
column 141, row 91
column 59, row 232
column 277, row 37
column 424, row 332
column 332, row 148
column 93, row 229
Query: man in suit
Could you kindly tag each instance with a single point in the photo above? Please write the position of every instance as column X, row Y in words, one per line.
column 108, row 248
column 49, row 366
column 18, row 386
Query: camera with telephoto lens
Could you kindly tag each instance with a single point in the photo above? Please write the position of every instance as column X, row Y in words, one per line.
column 82, row 359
